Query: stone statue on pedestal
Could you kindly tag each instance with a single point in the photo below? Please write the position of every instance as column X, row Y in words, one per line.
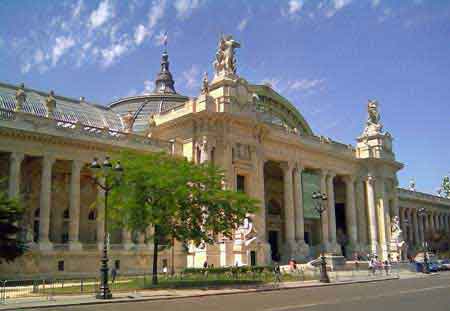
column 397, row 241
column 127, row 121
column 50, row 103
column 225, row 63
column 205, row 86
column 373, row 125
column 20, row 97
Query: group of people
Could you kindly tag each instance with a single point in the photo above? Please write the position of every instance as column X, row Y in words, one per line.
column 377, row 265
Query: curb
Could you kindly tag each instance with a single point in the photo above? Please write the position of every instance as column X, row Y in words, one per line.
column 146, row 299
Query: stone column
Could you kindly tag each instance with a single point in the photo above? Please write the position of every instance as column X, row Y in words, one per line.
column 100, row 204
column 402, row 215
column 421, row 228
column 289, row 217
column 362, row 217
column 15, row 164
column 416, row 227
column 74, row 208
column 381, row 217
column 263, row 252
column 332, row 213
column 45, row 203
column 410, row 227
column 127, row 241
column 325, row 228
column 298, row 196
column 427, row 226
column 350, row 210
column 371, row 214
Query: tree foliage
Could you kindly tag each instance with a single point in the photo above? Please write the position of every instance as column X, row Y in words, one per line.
column 178, row 199
column 11, row 212
column 444, row 189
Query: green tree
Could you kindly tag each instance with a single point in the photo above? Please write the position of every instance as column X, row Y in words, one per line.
column 444, row 189
column 178, row 199
column 11, row 212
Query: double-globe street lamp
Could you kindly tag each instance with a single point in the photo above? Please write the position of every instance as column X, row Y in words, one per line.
column 319, row 200
column 421, row 212
column 106, row 177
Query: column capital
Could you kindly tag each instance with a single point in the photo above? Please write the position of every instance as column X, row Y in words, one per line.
column 331, row 174
column 370, row 179
column 349, row 179
column 299, row 166
column 287, row 166
column 48, row 159
column 77, row 165
column 17, row 156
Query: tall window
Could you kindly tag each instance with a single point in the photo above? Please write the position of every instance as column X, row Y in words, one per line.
column 240, row 183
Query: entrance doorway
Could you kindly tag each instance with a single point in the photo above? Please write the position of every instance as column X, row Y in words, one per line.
column 273, row 241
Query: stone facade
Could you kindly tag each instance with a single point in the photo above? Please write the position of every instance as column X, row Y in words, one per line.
column 258, row 137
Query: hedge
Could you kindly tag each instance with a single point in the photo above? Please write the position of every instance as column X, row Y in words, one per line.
column 233, row 269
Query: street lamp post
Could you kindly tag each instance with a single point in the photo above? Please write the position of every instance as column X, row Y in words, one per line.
column 106, row 177
column 319, row 199
column 422, row 212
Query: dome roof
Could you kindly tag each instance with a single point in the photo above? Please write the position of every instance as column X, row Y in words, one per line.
column 162, row 99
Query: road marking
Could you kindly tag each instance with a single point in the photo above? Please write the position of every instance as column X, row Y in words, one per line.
column 337, row 301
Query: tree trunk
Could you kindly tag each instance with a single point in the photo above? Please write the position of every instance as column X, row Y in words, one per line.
column 155, row 257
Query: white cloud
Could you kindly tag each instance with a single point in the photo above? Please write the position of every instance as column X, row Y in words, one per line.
column 140, row 33
column 339, row 4
column 62, row 44
column 305, row 84
column 375, row 3
column 243, row 24
column 294, row 6
column 191, row 77
column 77, row 9
column 185, row 7
column 156, row 12
column 148, row 86
column 336, row 6
column 274, row 83
column 25, row 67
column 109, row 55
column 102, row 14
column 39, row 56
column 160, row 38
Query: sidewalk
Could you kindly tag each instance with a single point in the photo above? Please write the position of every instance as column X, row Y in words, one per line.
column 143, row 295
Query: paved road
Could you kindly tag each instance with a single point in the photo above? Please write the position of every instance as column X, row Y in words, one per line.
column 429, row 294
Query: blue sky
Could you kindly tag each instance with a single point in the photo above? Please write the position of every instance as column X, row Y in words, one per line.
column 327, row 57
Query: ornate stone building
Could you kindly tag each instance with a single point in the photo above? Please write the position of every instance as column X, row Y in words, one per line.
column 257, row 136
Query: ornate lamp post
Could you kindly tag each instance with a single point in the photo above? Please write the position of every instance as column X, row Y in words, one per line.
column 421, row 212
column 106, row 177
column 319, row 199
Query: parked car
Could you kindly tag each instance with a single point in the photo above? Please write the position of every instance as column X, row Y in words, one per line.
column 445, row 264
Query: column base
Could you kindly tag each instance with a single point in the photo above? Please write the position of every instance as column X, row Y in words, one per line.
column 45, row 246
column 75, row 246
column 128, row 246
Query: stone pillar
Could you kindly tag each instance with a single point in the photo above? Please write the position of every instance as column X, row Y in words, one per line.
column 74, row 208
column 381, row 218
column 45, row 203
column 402, row 215
column 332, row 213
column 350, row 211
column 263, row 252
column 298, row 196
column 410, row 227
column 421, row 228
column 427, row 226
column 362, row 217
column 371, row 214
column 289, row 217
column 416, row 228
column 325, row 228
column 100, row 204
column 15, row 164
column 127, row 241
column 302, row 250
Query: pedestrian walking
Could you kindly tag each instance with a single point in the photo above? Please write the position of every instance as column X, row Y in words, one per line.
column 277, row 272
column 113, row 274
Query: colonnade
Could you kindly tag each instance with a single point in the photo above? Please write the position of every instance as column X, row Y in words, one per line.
column 417, row 226
column 16, row 160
